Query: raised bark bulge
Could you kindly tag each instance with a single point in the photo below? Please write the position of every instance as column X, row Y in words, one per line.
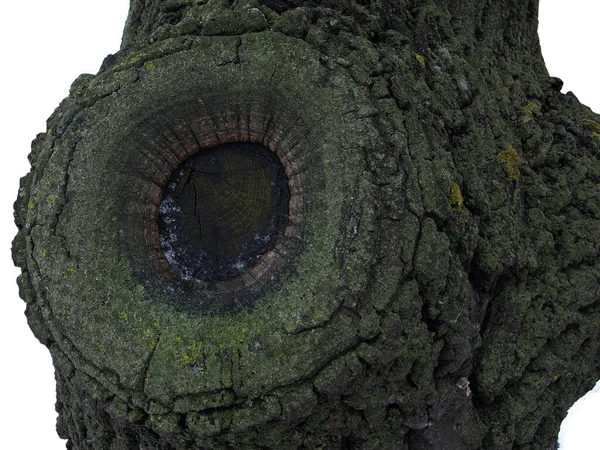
column 433, row 221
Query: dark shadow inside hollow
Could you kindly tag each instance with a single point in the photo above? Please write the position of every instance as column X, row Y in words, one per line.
column 222, row 210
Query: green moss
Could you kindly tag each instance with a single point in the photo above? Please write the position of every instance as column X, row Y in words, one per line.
column 512, row 160
column 165, row 423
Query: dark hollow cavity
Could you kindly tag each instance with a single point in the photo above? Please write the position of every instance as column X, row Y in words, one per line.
column 222, row 209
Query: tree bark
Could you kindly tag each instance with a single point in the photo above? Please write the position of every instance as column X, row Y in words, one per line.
column 436, row 286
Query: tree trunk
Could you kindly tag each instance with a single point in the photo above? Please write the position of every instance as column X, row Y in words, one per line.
column 416, row 269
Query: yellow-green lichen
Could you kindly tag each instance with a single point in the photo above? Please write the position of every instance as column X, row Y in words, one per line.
column 594, row 127
column 556, row 377
column 420, row 60
column 511, row 159
column 193, row 354
column 456, row 197
column 533, row 109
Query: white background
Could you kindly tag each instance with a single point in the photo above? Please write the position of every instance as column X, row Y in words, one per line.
column 46, row 44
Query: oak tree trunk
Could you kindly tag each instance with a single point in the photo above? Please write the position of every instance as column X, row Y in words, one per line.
column 412, row 264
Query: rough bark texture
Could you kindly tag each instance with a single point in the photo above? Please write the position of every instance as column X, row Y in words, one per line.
column 437, row 289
